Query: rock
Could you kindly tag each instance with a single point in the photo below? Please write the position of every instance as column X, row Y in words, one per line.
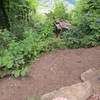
column 93, row 76
column 84, row 75
column 58, row 27
column 61, row 26
column 65, row 25
column 90, row 75
column 80, row 91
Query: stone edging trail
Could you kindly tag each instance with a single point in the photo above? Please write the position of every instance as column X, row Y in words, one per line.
column 80, row 91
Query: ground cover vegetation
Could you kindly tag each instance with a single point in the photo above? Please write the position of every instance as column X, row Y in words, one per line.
column 25, row 34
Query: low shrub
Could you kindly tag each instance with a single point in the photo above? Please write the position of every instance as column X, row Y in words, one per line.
column 78, row 39
column 15, row 54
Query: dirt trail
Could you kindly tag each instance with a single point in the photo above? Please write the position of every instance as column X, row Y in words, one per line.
column 52, row 71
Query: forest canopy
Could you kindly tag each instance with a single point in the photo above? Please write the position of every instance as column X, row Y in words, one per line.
column 13, row 10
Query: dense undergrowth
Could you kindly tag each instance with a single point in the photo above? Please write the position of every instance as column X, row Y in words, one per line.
column 30, row 34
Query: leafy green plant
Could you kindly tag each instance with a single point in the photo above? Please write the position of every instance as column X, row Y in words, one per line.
column 17, row 54
column 86, row 15
column 60, row 10
column 85, row 30
column 18, row 14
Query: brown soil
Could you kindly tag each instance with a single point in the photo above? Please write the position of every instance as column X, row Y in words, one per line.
column 52, row 71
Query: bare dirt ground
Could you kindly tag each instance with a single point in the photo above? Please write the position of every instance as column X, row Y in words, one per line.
column 52, row 71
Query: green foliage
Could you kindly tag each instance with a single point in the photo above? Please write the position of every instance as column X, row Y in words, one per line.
column 4, row 38
column 20, row 9
column 59, row 10
column 75, row 38
column 48, row 28
column 19, row 14
column 18, row 53
column 87, row 15
column 32, row 34
column 85, row 20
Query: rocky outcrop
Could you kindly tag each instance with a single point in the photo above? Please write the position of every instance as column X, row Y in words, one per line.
column 80, row 91
column 92, row 75
column 61, row 26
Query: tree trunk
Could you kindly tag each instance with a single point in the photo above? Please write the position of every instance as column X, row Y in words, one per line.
column 4, row 22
